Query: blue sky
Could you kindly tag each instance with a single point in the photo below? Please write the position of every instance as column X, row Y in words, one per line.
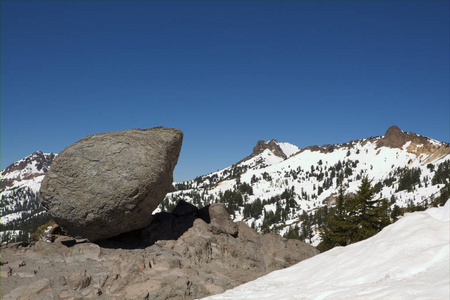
column 227, row 73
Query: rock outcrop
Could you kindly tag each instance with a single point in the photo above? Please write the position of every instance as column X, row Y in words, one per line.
column 396, row 138
column 110, row 183
column 417, row 144
column 190, row 259
column 272, row 145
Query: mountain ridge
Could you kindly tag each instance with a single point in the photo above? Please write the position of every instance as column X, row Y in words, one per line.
column 279, row 178
column 280, row 190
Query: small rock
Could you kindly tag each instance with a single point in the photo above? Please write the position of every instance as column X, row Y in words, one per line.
column 67, row 295
column 25, row 274
column 246, row 233
column 221, row 221
column 141, row 290
column 62, row 280
column 80, row 280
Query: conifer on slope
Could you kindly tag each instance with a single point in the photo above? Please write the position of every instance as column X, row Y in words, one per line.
column 354, row 218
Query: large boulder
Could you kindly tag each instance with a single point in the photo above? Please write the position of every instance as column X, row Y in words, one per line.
column 109, row 183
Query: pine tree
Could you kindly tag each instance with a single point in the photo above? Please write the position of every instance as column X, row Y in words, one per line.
column 354, row 219
column 339, row 227
column 370, row 214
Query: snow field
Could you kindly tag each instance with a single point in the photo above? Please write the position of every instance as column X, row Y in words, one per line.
column 406, row 260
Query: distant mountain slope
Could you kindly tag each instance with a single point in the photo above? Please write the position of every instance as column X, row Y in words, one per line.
column 20, row 210
column 27, row 171
column 406, row 260
column 290, row 194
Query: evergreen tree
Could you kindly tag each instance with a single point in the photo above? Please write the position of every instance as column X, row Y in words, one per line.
column 354, row 219
column 339, row 228
column 396, row 212
column 370, row 215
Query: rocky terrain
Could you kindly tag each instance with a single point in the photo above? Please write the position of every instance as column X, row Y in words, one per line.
column 104, row 189
column 179, row 256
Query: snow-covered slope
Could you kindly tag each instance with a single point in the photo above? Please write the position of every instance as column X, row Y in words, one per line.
column 28, row 172
column 20, row 183
column 406, row 260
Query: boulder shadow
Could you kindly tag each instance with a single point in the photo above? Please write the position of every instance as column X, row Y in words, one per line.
column 164, row 226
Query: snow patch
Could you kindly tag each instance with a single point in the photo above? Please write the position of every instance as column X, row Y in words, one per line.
column 288, row 149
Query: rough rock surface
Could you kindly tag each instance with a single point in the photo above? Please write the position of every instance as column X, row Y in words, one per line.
column 396, row 138
column 204, row 259
column 110, row 183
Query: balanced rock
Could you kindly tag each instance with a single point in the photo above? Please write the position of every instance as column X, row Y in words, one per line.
column 109, row 183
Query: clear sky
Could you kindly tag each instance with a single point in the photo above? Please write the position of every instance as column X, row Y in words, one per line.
column 227, row 73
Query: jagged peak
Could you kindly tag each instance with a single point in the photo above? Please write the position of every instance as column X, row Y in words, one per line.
column 397, row 138
column 282, row 150
column 272, row 145
column 393, row 130
column 37, row 162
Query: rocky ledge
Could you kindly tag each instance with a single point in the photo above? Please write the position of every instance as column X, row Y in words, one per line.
column 189, row 253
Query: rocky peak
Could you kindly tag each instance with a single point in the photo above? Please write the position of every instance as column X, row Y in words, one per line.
column 272, row 145
column 396, row 138
column 41, row 160
column 36, row 164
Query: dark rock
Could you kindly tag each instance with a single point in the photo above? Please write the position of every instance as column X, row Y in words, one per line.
column 161, row 228
column 393, row 138
column 182, row 224
column 396, row 138
column 184, row 209
column 203, row 213
column 57, row 230
column 109, row 183
column 165, row 226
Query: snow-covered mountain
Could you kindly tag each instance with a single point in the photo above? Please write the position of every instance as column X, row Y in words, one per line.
column 282, row 189
column 20, row 210
column 267, row 153
column 279, row 187
column 406, row 260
